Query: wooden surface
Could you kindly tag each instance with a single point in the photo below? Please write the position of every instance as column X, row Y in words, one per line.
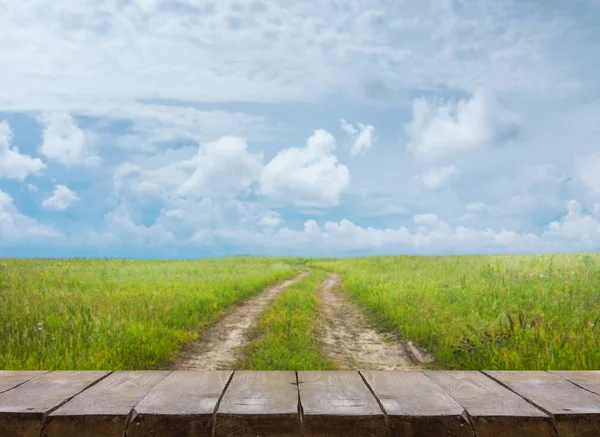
column 182, row 404
column 589, row 380
column 10, row 378
column 494, row 410
column 103, row 410
column 261, row 404
column 416, row 406
column 290, row 404
column 339, row 403
column 576, row 412
column 22, row 409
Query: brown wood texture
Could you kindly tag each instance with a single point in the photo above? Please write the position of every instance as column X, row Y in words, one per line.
column 182, row 404
column 22, row 409
column 588, row 379
column 339, row 403
column 12, row 378
column 495, row 411
column 416, row 406
column 103, row 410
column 576, row 412
column 261, row 404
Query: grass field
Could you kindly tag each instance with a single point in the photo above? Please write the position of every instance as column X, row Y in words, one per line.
column 485, row 312
column 471, row 312
column 116, row 314
column 285, row 338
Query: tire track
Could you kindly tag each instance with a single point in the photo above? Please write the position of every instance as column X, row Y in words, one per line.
column 221, row 345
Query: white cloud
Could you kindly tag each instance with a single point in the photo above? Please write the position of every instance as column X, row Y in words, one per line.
column 222, row 169
column 270, row 219
column 307, row 176
column 61, row 198
column 589, row 172
column 362, row 137
column 32, row 188
column 438, row 177
column 442, row 130
column 13, row 164
column 63, row 140
column 15, row 226
column 576, row 228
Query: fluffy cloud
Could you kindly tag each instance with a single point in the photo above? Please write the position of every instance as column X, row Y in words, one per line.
column 13, row 164
column 220, row 169
column 270, row 219
column 438, row 177
column 446, row 129
column 63, row 140
column 15, row 226
column 589, row 172
column 307, row 176
column 61, row 198
column 362, row 137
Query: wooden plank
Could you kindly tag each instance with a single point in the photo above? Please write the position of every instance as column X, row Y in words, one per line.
column 261, row 404
column 23, row 408
column 182, row 404
column 339, row 403
column 103, row 410
column 588, row 379
column 576, row 412
column 11, row 378
column 495, row 411
column 416, row 406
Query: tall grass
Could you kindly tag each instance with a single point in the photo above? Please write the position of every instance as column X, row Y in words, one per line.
column 116, row 314
column 486, row 312
column 285, row 338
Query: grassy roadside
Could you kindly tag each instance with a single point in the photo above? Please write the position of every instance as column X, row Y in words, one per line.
column 285, row 338
column 528, row 312
column 117, row 314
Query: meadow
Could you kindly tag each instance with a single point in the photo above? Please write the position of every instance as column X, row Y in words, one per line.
column 470, row 312
column 116, row 314
column 528, row 312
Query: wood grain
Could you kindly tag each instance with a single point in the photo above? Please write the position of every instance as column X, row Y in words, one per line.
column 182, row 404
column 576, row 412
column 261, row 404
column 588, row 379
column 416, row 406
column 23, row 408
column 495, row 411
column 9, row 379
column 103, row 410
column 339, row 403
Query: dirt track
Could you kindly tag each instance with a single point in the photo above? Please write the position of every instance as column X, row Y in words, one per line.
column 221, row 345
column 349, row 341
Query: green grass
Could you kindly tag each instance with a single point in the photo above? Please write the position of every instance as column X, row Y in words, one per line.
column 117, row 314
column 485, row 312
column 285, row 338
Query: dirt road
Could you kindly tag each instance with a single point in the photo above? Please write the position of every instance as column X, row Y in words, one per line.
column 349, row 341
column 221, row 345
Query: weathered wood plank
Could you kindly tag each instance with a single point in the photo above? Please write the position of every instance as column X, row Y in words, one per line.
column 23, row 408
column 261, row 404
column 416, row 406
column 339, row 403
column 102, row 410
column 11, row 378
column 576, row 412
column 182, row 404
column 495, row 411
column 588, row 379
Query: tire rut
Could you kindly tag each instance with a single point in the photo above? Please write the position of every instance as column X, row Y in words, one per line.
column 221, row 344
column 351, row 344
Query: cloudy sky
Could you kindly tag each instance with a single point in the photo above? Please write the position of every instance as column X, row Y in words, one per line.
column 180, row 128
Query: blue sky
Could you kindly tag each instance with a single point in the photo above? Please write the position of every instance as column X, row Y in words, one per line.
column 159, row 128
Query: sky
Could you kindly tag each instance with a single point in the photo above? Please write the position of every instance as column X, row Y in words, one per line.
column 187, row 128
